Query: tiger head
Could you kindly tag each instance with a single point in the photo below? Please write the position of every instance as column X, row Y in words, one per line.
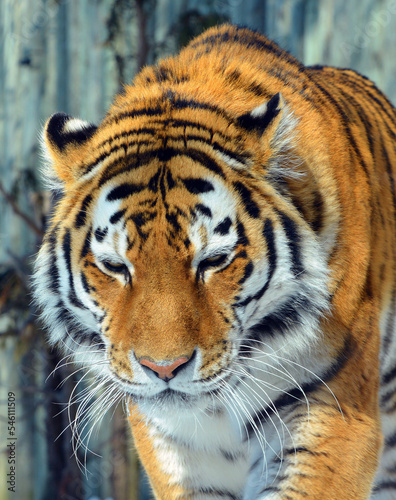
column 176, row 253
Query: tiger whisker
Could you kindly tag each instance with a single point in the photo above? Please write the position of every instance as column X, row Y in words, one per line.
column 295, row 363
column 259, row 400
column 259, row 435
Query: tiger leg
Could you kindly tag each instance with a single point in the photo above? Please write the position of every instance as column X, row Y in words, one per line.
column 385, row 480
column 334, row 448
column 333, row 457
column 163, row 484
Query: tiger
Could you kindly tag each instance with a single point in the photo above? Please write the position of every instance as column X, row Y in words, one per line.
column 221, row 255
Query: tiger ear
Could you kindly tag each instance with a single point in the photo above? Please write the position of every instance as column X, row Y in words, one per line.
column 62, row 139
column 263, row 116
column 275, row 126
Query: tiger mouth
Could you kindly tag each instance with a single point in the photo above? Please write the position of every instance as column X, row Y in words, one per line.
column 168, row 396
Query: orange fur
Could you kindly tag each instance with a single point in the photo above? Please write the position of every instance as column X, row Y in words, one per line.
column 326, row 160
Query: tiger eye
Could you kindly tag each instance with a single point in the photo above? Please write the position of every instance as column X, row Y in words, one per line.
column 115, row 267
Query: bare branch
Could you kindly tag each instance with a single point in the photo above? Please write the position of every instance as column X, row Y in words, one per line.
column 30, row 222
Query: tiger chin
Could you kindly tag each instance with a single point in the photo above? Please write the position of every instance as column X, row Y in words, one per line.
column 222, row 257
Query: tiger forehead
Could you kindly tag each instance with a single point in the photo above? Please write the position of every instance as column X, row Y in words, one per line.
column 164, row 204
column 155, row 130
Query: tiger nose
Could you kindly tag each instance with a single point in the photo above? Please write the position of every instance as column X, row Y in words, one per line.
column 164, row 372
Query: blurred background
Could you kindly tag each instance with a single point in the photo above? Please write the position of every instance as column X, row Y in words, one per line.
column 73, row 56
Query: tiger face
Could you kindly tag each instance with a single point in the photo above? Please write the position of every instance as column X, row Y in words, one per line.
column 169, row 251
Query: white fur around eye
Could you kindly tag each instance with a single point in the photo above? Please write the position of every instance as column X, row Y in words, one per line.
column 208, row 243
column 109, row 241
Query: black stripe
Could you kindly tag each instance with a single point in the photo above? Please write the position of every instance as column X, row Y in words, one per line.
column 124, row 190
column 247, row 272
column 163, row 154
column 256, row 463
column 390, row 173
column 66, row 247
column 135, row 156
column 242, row 238
column 293, row 238
column 82, row 214
column 155, row 111
column 203, row 159
column 206, row 264
column 170, row 180
column 162, row 183
column 367, row 124
column 64, row 317
column 345, row 122
column 182, row 103
column 245, row 194
column 250, row 40
column 131, row 243
column 223, row 227
column 238, row 80
column 268, row 233
column 318, row 209
column 354, row 80
column 233, row 456
column 128, row 133
column 385, row 485
column 388, row 377
column 165, row 74
column 132, row 161
column 53, row 271
column 387, row 397
column 203, row 209
column 129, row 162
column 260, row 122
column 348, row 99
column 340, row 361
column 295, row 396
column 172, row 219
column 177, row 103
column 153, row 183
column 197, row 186
column 278, row 322
column 221, row 149
column 390, row 441
column 87, row 244
column 301, row 449
column 79, row 136
column 141, row 218
column 85, row 284
column 117, row 216
column 100, row 233
column 240, row 255
column 184, row 124
column 389, row 328
column 91, row 337
column 218, row 493
column 267, row 489
column 294, row 76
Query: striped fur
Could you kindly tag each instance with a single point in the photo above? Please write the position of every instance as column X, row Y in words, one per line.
column 231, row 223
